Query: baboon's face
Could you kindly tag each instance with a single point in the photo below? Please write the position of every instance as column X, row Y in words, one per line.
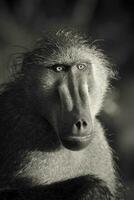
column 75, row 129
column 64, row 94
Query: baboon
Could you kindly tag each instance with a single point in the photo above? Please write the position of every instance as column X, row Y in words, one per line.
column 52, row 145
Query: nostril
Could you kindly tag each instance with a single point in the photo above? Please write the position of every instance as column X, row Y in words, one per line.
column 84, row 124
column 78, row 124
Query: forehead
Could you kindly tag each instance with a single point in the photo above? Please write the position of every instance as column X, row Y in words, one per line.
column 69, row 55
column 63, row 48
column 74, row 54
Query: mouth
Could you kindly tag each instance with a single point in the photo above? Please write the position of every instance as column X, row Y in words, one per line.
column 78, row 138
column 76, row 143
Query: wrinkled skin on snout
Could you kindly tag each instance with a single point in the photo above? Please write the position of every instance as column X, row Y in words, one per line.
column 65, row 102
column 75, row 129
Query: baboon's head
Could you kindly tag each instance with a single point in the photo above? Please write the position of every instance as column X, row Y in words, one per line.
column 67, row 81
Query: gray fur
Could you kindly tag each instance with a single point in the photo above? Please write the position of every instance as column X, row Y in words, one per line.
column 31, row 150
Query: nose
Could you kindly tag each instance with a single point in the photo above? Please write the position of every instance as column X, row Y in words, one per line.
column 80, row 125
column 79, row 135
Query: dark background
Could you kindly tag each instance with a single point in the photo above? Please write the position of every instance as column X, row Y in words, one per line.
column 110, row 23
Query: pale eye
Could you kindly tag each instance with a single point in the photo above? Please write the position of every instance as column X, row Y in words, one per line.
column 59, row 69
column 81, row 66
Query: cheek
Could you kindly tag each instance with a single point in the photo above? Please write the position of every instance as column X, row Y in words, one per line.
column 46, row 89
column 48, row 100
column 51, row 111
column 48, row 82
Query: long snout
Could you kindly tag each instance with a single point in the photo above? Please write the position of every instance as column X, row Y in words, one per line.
column 76, row 127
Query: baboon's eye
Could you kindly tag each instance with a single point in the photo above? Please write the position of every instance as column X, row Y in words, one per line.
column 59, row 68
column 81, row 66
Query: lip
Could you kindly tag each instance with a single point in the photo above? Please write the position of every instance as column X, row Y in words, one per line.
column 76, row 143
column 77, row 138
